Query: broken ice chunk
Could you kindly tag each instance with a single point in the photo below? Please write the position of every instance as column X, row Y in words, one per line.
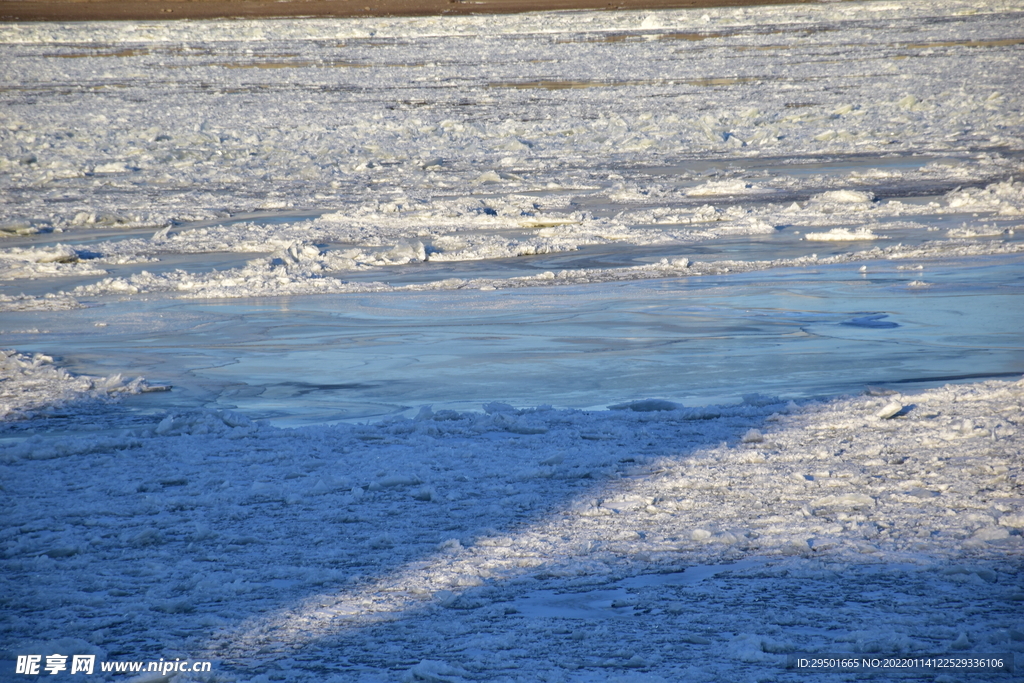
column 890, row 410
column 753, row 436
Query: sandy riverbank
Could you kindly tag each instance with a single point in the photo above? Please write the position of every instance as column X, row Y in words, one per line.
column 99, row 10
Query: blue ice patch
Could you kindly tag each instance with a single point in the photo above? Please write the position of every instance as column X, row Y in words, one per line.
column 872, row 321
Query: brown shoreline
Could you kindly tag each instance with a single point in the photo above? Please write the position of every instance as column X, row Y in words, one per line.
column 101, row 10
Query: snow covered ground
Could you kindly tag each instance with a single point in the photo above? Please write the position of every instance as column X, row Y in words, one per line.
column 648, row 542
column 562, row 346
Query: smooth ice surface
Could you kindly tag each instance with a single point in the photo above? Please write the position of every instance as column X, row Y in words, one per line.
column 793, row 332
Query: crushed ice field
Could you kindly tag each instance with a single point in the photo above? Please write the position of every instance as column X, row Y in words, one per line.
column 576, row 346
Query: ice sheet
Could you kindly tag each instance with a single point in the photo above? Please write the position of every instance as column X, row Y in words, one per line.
column 790, row 332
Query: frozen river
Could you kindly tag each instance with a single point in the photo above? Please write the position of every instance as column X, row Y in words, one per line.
column 790, row 332
column 484, row 333
column 315, row 220
column 736, row 167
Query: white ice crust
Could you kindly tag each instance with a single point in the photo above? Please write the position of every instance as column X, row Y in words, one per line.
column 631, row 130
column 477, row 540
column 34, row 384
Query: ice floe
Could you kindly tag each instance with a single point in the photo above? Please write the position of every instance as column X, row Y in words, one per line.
column 842, row 235
column 33, row 384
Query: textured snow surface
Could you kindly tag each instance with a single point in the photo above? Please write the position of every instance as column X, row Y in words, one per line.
column 33, row 383
column 512, row 542
column 283, row 275
column 135, row 157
